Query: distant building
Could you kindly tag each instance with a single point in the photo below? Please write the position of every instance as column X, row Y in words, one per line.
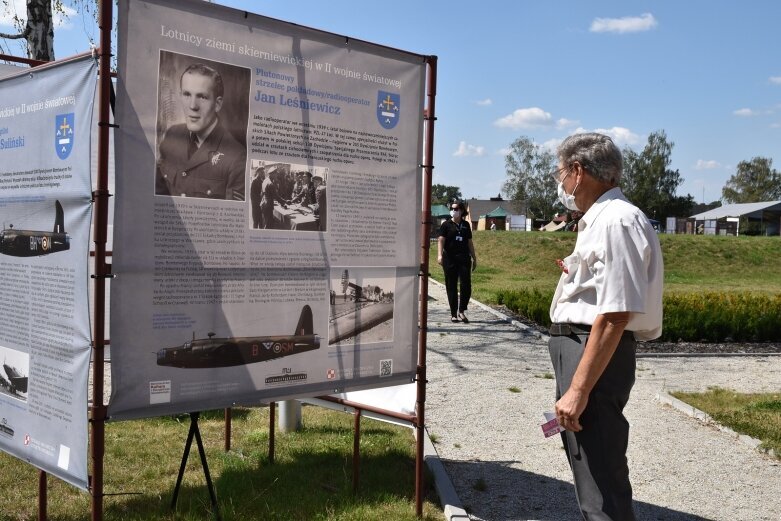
column 763, row 218
column 491, row 209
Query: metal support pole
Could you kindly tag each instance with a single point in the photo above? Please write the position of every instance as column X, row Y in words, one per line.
column 271, row 409
column 42, row 496
column 228, row 425
column 98, row 410
column 356, row 450
column 428, row 164
column 289, row 416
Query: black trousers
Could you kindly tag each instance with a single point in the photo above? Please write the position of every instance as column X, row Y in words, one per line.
column 597, row 454
column 455, row 272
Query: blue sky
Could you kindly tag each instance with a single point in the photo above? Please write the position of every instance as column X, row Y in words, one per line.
column 707, row 72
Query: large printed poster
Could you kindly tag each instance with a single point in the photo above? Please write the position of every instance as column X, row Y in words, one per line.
column 45, row 193
column 267, row 225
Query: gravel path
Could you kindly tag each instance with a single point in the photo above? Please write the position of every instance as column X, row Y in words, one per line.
column 502, row 467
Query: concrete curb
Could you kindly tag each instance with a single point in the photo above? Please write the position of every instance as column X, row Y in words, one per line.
column 664, row 397
column 448, row 496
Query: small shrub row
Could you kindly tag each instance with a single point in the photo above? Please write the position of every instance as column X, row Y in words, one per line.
column 532, row 304
column 689, row 317
column 719, row 317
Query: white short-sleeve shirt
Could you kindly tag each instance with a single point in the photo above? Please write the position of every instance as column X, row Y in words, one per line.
column 616, row 266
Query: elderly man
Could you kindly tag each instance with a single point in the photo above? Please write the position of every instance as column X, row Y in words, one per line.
column 200, row 158
column 609, row 295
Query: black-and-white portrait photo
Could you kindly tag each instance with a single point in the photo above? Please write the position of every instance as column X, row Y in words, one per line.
column 201, row 128
column 286, row 196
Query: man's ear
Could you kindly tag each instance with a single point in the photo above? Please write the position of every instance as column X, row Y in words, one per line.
column 218, row 103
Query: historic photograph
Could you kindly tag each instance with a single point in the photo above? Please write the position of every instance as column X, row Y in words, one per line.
column 15, row 373
column 286, row 196
column 361, row 303
column 201, row 128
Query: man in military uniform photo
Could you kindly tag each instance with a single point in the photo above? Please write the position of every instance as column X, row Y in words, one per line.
column 200, row 157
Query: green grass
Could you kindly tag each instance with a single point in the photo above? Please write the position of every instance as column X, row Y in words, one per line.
column 311, row 478
column 693, row 263
column 756, row 415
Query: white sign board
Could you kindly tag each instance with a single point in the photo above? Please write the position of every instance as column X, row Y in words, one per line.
column 267, row 221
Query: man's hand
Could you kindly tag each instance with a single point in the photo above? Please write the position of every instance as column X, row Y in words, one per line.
column 439, row 259
column 569, row 408
column 474, row 263
column 602, row 343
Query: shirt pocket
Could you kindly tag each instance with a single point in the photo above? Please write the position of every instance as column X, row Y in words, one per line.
column 208, row 183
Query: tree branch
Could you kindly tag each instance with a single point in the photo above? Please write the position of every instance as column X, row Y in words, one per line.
column 13, row 36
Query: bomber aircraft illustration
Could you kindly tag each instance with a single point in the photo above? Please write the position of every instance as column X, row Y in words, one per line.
column 16, row 382
column 226, row 352
column 30, row 243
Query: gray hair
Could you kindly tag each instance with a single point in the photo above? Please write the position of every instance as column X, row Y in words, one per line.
column 596, row 153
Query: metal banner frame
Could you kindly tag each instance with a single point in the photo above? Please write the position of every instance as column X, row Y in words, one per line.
column 98, row 410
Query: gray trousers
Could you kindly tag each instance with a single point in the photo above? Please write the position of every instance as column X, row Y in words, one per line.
column 597, row 454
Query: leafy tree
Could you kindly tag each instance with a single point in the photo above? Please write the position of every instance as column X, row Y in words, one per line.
column 442, row 194
column 37, row 29
column 529, row 182
column 650, row 184
column 754, row 181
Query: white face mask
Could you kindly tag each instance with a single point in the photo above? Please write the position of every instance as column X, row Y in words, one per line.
column 568, row 200
column 455, row 213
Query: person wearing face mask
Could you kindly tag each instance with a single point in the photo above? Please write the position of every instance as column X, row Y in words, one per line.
column 456, row 255
column 608, row 297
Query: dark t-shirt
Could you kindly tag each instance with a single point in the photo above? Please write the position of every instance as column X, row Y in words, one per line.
column 457, row 238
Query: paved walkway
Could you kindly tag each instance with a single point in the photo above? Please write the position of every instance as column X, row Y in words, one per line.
column 489, row 439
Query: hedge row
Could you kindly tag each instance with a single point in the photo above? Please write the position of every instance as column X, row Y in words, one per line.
column 692, row 317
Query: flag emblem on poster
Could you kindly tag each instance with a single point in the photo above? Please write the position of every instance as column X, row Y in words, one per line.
column 388, row 109
column 63, row 134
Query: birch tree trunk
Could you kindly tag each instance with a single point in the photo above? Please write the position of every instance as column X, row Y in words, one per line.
column 39, row 31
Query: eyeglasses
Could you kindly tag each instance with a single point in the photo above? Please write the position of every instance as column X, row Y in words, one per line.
column 454, row 208
column 556, row 174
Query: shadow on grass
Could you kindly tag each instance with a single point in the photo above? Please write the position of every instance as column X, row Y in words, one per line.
column 305, row 486
column 494, row 490
column 237, row 413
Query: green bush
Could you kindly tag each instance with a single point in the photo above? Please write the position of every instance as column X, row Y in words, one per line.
column 532, row 304
column 719, row 317
column 689, row 317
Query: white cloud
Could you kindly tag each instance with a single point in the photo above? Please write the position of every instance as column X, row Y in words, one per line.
column 485, row 102
column 621, row 136
column 745, row 113
column 465, row 150
column 7, row 12
column 504, row 151
column 63, row 21
column 703, row 164
column 563, row 123
column 551, row 145
column 628, row 24
column 19, row 8
column 525, row 118
column 776, row 80
column 775, row 125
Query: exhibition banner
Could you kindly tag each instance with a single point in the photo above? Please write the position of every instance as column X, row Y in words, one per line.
column 45, row 204
column 267, row 219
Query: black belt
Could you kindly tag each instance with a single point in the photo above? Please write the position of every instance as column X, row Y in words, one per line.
column 560, row 329
column 563, row 329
